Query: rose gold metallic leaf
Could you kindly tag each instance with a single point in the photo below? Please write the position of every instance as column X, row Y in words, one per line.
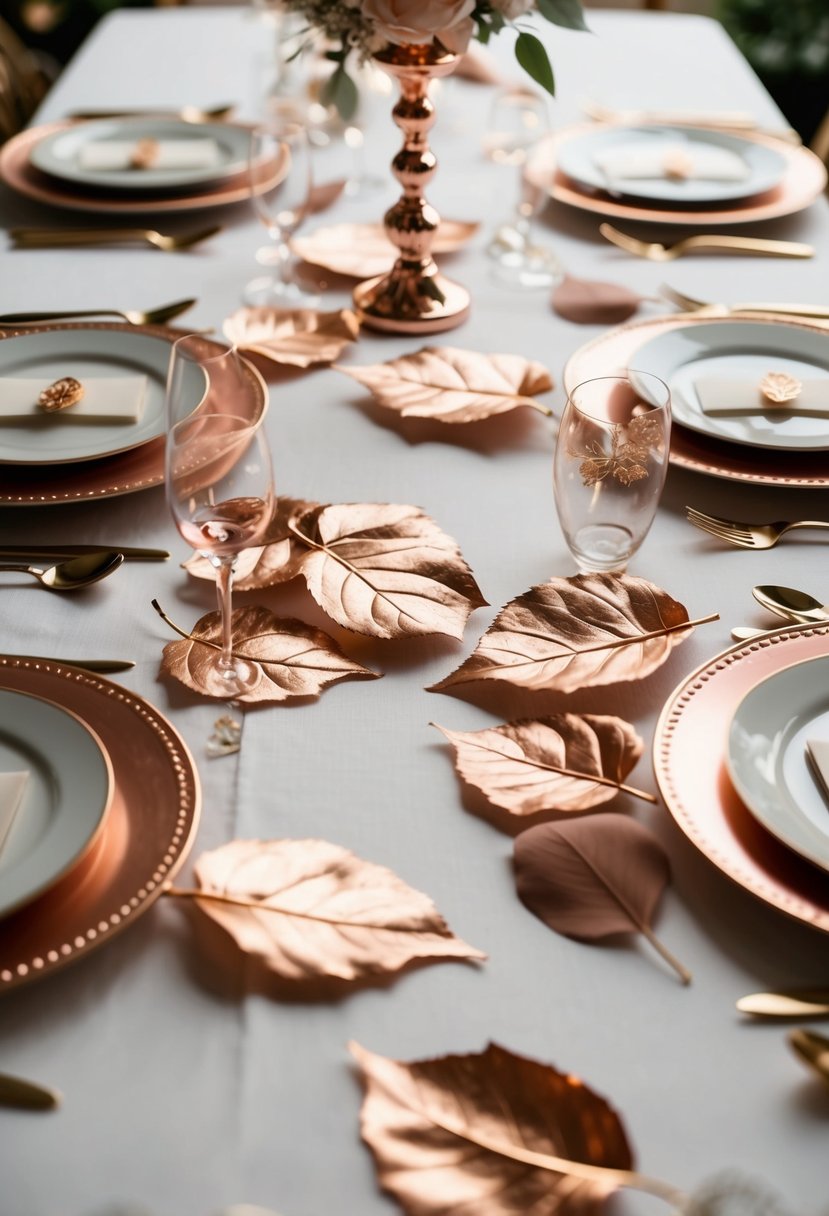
column 593, row 877
column 263, row 565
column 571, row 633
column 590, row 302
column 567, row 762
column 293, row 659
column 493, row 1134
column 299, row 337
column 451, row 385
column 363, row 250
column 386, row 570
column 311, row 910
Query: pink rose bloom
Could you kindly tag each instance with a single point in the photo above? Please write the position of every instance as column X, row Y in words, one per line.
column 402, row 21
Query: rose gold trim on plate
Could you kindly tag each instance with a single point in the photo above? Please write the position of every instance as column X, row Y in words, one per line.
column 151, row 824
column 689, row 763
column 613, row 351
column 804, row 179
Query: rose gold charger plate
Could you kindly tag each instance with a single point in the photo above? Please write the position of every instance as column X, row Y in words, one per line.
column 804, row 179
column 108, row 477
column 615, row 351
column 689, row 762
column 20, row 175
column 148, row 831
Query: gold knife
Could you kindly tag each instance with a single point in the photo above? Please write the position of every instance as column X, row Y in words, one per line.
column 27, row 1095
column 130, row 552
column 102, row 666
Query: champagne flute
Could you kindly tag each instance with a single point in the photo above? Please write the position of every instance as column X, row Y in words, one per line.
column 281, row 207
column 218, row 476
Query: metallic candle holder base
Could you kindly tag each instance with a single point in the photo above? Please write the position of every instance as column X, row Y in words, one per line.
column 414, row 297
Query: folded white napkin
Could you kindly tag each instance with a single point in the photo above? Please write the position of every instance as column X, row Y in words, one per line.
column 101, row 154
column 724, row 395
column 671, row 161
column 12, row 789
column 104, row 400
column 817, row 751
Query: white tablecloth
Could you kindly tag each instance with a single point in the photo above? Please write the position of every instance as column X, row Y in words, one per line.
column 180, row 1098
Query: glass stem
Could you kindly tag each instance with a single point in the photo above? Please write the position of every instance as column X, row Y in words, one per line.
column 282, row 271
column 224, row 594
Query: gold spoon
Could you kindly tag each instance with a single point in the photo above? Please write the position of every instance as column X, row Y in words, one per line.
column 74, row 574
column 790, row 603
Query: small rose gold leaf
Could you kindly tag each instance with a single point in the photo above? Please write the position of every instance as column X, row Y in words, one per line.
column 263, row 565
column 386, row 570
column 588, row 302
column 593, row 877
column 565, row 762
column 571, row 633
column 492, row 1134
column 321, row 912
column 363, row 250
column 451, row 385
column 299, row 337
column 779, row 388
column 293, row 659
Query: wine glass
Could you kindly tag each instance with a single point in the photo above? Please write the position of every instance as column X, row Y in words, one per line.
column 610, row 464
column 518, row 119
column 281, row 206
column 218, row 475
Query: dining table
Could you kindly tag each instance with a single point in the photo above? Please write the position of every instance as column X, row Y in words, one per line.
column 189, row 1086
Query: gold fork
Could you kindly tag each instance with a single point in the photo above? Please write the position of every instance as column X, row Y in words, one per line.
column 152, row 316
column 745, row 535
column 690, row 304
column 52, row 238
column 724, row 244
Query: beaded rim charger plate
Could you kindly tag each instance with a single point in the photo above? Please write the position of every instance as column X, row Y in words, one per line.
column 148, row 831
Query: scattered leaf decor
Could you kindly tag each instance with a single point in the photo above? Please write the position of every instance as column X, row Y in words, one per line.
column 293, row 659
column 299, row 337
column 591, row 302
column 451, row 385
column 566, row 762
column 593, row 877
column 494, row 1134
column 311, row 910
column 363, row 250
column 267, row 565
column 571, row 633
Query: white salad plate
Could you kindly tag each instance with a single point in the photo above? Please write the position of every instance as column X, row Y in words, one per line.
column 767, row 759
column 65, row 799
column 743, row 351
column 577, row 158
column 59, row 153
column 85, row 354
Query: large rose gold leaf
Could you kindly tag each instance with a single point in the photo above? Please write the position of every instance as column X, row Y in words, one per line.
column 311, row 910
column 570, row 633
column 299, row 337
column 292, row 659
column 386, row 570
column 363, row 250
column 263, row 565
column 567, row 762
column 451, row 385
column 593, row 877
column 492, row 1134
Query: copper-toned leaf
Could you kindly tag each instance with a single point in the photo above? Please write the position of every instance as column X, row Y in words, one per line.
column 263, row 565
column 570, row 633
column 492, row 1134
column 311, row 910
column 386, row 570
column 593, row 877
column 363, row 250
column 590, row 302
column 292, row 659
column 297, row 336
column 567, row 762
column 451, row 385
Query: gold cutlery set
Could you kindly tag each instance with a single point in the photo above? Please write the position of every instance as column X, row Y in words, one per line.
column 56, row 238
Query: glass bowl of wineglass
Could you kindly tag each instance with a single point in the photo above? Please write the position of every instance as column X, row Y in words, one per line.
column 218, row 478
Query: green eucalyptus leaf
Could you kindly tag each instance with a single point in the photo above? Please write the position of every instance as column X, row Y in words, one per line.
column 340, row 91
column 566, row 13
column 530, row 53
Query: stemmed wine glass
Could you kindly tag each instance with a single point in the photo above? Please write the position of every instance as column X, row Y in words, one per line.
column 518, row 119
column 281, row 206
column 218, row 476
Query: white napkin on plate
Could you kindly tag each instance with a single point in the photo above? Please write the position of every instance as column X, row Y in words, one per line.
column 671, row 161
column 109, row 154
column 729, row 395
column 12, row 789
column 105, row 400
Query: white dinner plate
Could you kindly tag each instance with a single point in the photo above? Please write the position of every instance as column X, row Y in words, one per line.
column 65, row 799
column 84, row 354
column 576, row 158
column 744, row 351
column 767, row 759
column 58, row 154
